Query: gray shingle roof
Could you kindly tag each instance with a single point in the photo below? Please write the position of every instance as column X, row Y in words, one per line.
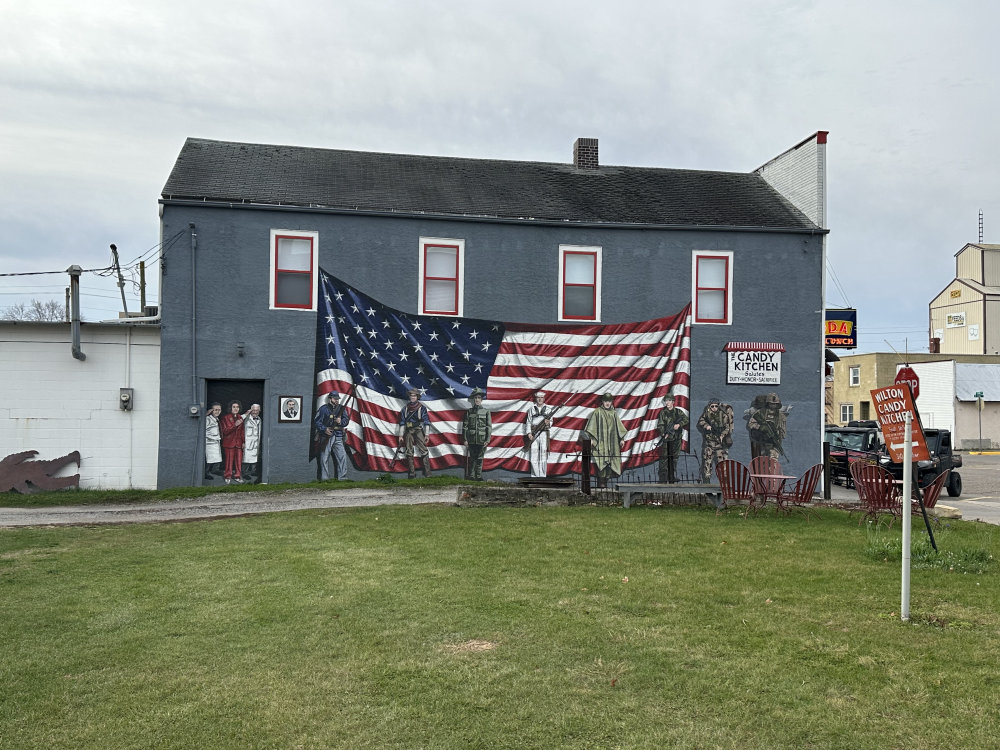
column 450, row 186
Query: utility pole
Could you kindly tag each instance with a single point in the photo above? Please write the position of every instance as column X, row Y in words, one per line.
column 142, row 286
column 121, row 280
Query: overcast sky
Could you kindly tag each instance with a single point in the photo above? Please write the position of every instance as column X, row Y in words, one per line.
column 97, row 99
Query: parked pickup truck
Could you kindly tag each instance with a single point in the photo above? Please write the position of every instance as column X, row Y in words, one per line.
column 942, row 458
column 859, row 440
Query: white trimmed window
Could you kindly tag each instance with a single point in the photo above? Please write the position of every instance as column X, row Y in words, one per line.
column 442, row 276
column 294, row 260
column 846, row 413
column 579, row 283
column 712, row 287
column 855, row 375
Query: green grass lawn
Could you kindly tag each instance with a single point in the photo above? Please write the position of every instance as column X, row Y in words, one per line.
column 439, row 627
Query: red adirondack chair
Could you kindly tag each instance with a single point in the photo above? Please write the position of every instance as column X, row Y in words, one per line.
column 736, row 483
column 766, row 488
column 931, row 494
column 801, row 494
column 878, row 492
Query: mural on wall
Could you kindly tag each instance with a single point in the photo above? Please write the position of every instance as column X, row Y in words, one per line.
column 477, row 425
column 289, row 408
column 767, row 424
column 607, row 436
column 18, row 474
column 671, row 426
column 213, row 442
column 379, row 355
column 328, row 437
column 716, row 425
column 537, row 423
column 234, row 432
column 252, row 427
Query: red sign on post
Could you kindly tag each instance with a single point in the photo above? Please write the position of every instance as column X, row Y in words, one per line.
column 891, row 406
column 908, row 376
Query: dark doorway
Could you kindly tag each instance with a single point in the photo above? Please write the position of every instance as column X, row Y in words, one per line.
column 865, row 410
column 238, row 458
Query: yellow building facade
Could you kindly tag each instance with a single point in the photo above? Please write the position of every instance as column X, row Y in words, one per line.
column 856, row 375
column 964, row 317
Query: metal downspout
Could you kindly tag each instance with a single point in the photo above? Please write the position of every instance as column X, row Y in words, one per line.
column 74, row 284
column 195, row 411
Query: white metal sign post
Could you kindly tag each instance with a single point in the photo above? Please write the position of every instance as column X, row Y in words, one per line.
column 904, row 607
column 895, row 411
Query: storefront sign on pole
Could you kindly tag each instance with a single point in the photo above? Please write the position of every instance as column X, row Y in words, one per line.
column 892, row 405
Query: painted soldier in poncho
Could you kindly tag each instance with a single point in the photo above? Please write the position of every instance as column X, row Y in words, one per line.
column 607, row 434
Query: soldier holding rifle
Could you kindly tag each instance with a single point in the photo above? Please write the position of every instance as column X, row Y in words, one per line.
column 414, row 422
column 536, row 435
column 670, row 425
column 330, row 423
column 476, row 429
column 767, row 425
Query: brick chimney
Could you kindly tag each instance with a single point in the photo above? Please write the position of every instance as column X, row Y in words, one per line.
column 585, row 153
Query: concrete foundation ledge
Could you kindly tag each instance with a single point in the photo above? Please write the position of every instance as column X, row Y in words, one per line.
column 484, row 495
column 946, row 511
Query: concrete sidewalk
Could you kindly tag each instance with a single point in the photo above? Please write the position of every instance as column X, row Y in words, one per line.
column 986, row 509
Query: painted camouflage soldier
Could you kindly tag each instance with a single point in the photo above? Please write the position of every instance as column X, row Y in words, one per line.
column 670, row 425
column 477, row 426
column 716, row 428
column 767, row 425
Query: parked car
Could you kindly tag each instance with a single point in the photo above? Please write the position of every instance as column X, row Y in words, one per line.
column 861, row 440
column 942, row 459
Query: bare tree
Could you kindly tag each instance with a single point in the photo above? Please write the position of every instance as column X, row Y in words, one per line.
column 35, row 311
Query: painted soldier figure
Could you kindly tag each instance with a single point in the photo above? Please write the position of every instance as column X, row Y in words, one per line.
column 536, row 435
column 670, row 425
column 607, row 434
column 414, row 422
column 716, row 428
column 331, row 421
column 476, row 429
column 767, row 426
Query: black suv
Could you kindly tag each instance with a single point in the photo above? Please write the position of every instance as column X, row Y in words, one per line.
column 942, row 458
column 859, row 440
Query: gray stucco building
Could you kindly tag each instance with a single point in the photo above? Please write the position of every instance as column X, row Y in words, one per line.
column 248, row 227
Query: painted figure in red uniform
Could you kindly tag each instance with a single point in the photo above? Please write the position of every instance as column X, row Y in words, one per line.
column 233, row 439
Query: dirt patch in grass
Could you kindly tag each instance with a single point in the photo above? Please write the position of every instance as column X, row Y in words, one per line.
column 469, row 647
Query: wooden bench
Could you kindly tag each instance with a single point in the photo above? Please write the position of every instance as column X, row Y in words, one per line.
column 714, row 491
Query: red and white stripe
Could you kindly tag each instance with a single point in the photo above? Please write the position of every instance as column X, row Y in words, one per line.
column 639, row 363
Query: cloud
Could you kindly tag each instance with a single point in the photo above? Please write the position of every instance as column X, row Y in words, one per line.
column 99, row 98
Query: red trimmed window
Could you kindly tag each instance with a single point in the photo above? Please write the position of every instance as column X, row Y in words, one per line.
column 441, row 279
column 579, row 285
column 712, row 293
column 294, row 274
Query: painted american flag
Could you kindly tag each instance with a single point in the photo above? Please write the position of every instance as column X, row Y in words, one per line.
column 374, row 354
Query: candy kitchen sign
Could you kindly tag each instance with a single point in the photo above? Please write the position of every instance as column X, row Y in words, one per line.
column 753, row 362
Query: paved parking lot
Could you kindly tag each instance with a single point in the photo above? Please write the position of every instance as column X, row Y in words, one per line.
column 980, row 499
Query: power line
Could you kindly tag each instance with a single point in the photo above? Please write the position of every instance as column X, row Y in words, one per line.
column 44, row 273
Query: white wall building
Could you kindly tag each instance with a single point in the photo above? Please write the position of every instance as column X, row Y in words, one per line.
column 56, row 404
column 948, row 400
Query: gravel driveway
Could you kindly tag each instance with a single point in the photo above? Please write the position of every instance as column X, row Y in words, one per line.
column 222, row 505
